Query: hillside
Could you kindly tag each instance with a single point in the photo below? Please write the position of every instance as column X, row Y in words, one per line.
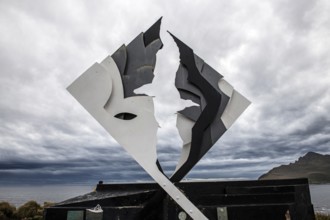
column 314, row 166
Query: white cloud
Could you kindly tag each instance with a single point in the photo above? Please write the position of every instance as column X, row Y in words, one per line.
column 274, row 52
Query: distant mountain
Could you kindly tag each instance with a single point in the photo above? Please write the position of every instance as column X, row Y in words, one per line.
column 314, row 166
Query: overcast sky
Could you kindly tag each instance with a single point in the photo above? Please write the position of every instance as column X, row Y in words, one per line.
column 276, row 53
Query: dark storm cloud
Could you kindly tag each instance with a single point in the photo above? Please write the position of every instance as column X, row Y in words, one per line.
column 276, row 53
column 71, row 171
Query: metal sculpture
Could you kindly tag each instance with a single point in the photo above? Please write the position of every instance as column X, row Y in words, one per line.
column 106, row 91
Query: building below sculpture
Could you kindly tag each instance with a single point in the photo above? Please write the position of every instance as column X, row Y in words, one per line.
column 239, row 200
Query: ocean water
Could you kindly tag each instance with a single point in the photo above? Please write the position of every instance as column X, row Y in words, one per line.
column 321, row 197
column 18, row 195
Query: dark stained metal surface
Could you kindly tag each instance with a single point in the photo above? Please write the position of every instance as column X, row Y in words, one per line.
column 136, row 61
column 243, row 200
column 198, row 82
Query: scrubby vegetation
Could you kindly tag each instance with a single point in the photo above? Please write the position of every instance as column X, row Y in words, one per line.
column 320, row 216
column 29, row 211
column 7, row 211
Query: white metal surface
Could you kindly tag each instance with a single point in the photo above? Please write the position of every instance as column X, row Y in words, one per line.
column 184, row 126
column 100, row 91
column 236, row 105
